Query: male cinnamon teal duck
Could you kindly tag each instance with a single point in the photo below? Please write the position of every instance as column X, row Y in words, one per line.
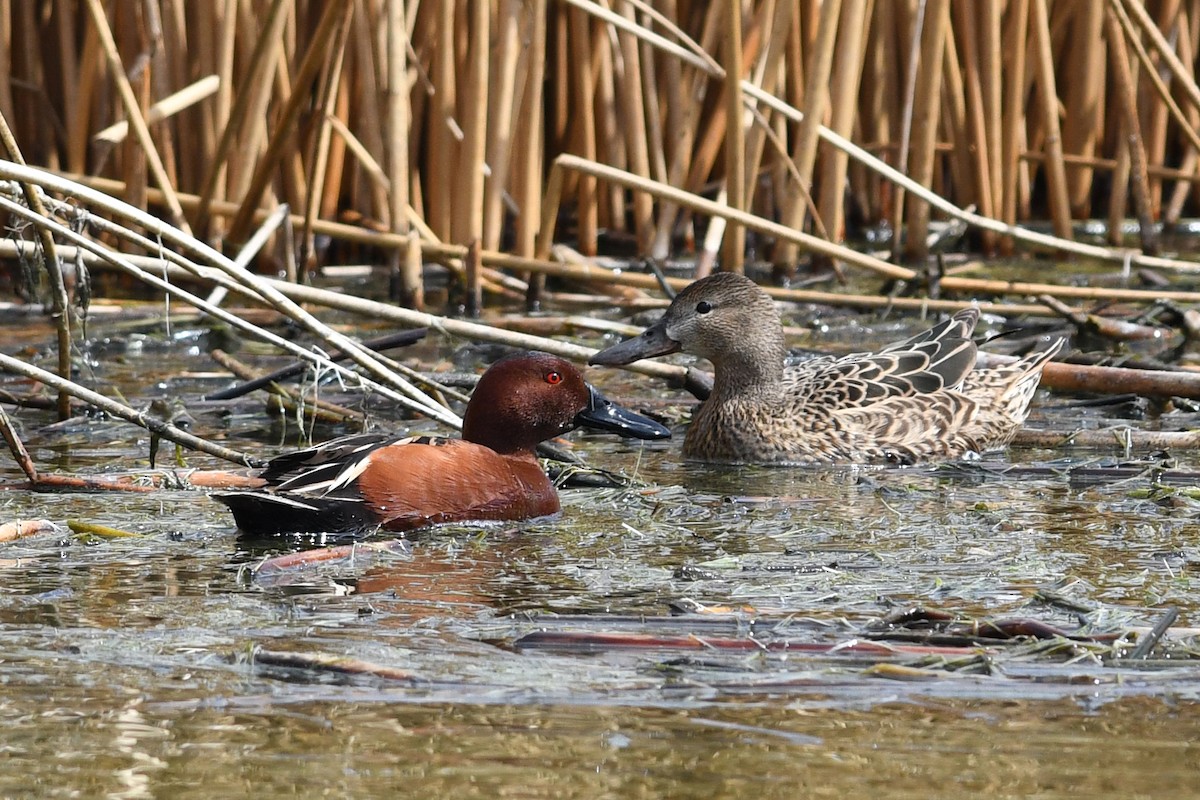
column 358, row 483
column 913, row 400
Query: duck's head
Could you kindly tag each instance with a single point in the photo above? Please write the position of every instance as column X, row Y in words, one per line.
column 725, row 318
column 527, row 398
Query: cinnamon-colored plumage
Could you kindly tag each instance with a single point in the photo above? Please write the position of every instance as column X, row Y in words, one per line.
column 362, row 482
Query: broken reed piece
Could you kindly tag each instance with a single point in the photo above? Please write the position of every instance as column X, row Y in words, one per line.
column 379, row 344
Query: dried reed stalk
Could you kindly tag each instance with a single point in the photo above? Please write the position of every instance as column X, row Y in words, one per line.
column 1056, row 178
column 1086, row 77
column 637, row 110
column 502, row 99
column 734, row 245
column 246, row 102
column 59, row 300
column 133, row 110
column 979, row 162
column 467, row 219
column 847, row 73
column 1131, row 127
column 336, row 17
column 925, row 121
column 584, row 126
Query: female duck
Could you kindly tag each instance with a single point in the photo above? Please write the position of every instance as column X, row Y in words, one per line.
column 361, row 482
column 913, row 400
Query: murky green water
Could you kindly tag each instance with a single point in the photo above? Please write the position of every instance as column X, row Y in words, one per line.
column 126, row 665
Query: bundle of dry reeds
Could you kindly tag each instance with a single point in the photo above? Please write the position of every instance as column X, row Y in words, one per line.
column 444, row 116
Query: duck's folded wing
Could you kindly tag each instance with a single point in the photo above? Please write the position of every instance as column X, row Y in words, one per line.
column 327, row 465
column 959, row 326
column 860, row 380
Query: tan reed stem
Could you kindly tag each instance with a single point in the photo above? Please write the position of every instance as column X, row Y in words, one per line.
column 133, row 111
column 584, row 127
column 925, row 121
column 501, row 126
column 399, row 120
column 976, row 131
column 254, row 97
column 989, row 14
column 335, row 18
column 1083, row 121
column 733, row 248
column 907, row 114
column 636, row 110
column 529, row 135
column 1131, row 127
column 843, row 110
column 467, row 222
column 60, row 302
column 319, row 157
column 1014, row 112
column 1056, row 178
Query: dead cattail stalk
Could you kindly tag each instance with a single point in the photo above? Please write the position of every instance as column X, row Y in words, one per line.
column 1011, row 140
column 816, row 99
column 528, row 172
column 734, row 245
column 970, row 16
column 411, row 289
column 501, row 99
column 319, row 155
column 637, row 111
column 584, row 127
column 335, row 18
column 1131, row 127
column 1082, row 124
column 701, row 205
column 847, row 72
column 133, row 110
column 610, row 141
column 474, row 266
column 925, row 120
column 254, row 98
column 467, row 221
column 59, row 300
column 989, row 14
column 1056, row 178
column 165, row 108
column 766, row 74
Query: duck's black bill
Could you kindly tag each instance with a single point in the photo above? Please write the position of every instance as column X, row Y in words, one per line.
column 603, row 414
column 652, row 342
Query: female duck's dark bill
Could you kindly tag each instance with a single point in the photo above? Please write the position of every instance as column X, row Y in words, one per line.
column 605, row 415
column 653, row 341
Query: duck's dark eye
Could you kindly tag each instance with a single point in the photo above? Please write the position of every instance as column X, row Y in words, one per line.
column 703, row 307
column 553, row 378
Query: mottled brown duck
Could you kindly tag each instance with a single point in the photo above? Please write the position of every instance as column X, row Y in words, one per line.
column 915, row 400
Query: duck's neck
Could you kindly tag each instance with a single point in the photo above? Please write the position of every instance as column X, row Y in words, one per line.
column 756, row 370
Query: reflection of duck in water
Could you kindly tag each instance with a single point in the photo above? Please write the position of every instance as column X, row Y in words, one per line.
column 362, row 482
column 913, row 400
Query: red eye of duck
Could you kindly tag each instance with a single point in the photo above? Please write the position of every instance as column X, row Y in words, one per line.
column 553, row 378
